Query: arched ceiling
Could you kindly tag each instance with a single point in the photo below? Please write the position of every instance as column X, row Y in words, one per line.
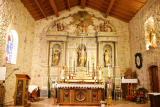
column 121, row 9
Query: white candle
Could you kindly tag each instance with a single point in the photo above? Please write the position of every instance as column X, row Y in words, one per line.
column 68, row 62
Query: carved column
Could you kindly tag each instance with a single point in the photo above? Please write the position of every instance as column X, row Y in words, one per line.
column 98, row 53
column 116, row 53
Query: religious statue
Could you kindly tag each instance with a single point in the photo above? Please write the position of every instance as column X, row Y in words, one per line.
column 63, row 73
column 152, row 37
column 107, row 58
column 55, row 57
column 82, row 57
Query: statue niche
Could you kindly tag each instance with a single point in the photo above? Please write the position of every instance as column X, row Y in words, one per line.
column 82, row 56
column 107, row 55
column 55, row 55
column 150, row 34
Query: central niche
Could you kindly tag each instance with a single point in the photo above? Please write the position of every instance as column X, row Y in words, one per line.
column 81, row 55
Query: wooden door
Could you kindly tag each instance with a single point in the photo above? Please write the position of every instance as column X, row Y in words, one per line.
column 154, row 82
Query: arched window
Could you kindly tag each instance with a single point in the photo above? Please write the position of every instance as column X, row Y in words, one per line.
column 12, row 46
column 150, row 35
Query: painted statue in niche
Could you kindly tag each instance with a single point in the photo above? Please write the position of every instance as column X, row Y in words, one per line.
column 150, row 35
column 82, row 56
column 107, row 55
column 56, row 50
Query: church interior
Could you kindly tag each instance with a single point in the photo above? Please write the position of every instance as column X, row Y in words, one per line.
column 79, row 53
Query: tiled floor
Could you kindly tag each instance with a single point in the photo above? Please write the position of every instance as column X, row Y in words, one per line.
column 49, row 103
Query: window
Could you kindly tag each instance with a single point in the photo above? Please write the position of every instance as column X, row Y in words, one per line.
column 150, row 35
column 12, row 46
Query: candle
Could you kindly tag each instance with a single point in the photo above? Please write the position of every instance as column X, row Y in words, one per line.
column 68, row 63
column 74, row 67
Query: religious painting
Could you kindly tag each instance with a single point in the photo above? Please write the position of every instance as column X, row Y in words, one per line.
column 81, row 56
column 12, row 46
column 56, row 52
column 107, row 55
column 150, row 35
column 138, row 60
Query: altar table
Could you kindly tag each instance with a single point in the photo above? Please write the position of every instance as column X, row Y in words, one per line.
column 79, row 94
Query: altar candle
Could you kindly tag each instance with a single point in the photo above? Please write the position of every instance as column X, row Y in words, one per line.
column 88, row 66
column 74, row 67
column 68, row 63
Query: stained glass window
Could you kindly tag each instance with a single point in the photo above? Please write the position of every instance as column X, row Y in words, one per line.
column 12, row 46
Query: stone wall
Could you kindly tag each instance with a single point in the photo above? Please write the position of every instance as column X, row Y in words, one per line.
column 41, row 45
column 137, row 41
column 13, row 15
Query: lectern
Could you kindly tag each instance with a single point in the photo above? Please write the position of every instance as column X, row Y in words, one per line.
column 21, row 92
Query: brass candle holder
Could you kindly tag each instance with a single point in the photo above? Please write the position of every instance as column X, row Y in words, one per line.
column 109, row 99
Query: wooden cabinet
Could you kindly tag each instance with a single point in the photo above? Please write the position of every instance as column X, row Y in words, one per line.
column 21, row 92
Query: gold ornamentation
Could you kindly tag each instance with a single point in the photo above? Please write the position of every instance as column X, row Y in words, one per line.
column 80, row 95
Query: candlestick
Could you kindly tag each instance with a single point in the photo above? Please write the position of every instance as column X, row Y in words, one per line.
column 74, row 67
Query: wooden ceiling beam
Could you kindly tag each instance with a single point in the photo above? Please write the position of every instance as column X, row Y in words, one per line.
column 53, row 5
column 110, row 7
column 68, row 4
column 39, row 6
column 83, row 4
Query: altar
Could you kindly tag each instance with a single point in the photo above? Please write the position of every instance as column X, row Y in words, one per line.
column 79, row 94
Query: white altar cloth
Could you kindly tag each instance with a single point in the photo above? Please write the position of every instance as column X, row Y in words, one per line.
column 155, row 94
column 78, row 86
column 129, row 80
